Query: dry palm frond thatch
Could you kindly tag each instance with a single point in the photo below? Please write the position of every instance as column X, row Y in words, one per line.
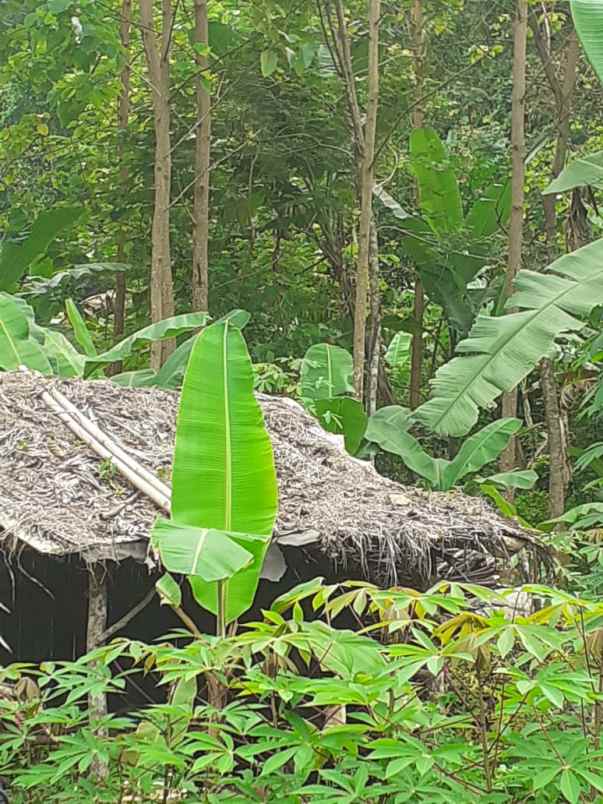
column 59, row 497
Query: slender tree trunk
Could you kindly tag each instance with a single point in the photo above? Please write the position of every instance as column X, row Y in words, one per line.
column 367, row 181
column 157, row 51
column 200, row 281
column 95, row 628
column 417, row 121
column 563, row 91
column 520, row 27
column 374, row 351
column 123, row 114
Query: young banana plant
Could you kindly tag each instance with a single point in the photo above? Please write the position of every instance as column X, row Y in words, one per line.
column 224, row 487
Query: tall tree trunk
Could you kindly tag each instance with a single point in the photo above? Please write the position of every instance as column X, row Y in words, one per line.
column 200, row 281
column 417, row 121
column 563, row 91
column 374, row 350
column 123, row 114
column 157, row 51
column 367, row 181
column 520, row 27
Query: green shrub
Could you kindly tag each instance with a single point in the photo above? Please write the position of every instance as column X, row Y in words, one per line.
column 461, row 698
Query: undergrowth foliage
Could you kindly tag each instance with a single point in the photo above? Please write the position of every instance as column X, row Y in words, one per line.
column 452, row 694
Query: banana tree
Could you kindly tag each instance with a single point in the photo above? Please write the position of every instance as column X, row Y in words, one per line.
column 224, row 488
column 447, row 247
column 389, row 429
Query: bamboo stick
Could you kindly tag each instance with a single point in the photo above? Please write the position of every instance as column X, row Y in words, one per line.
column 93, row 436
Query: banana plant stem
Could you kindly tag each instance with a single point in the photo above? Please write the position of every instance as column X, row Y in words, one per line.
column 221, row 617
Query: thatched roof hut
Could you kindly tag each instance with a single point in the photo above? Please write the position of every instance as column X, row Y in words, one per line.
column 59, row 498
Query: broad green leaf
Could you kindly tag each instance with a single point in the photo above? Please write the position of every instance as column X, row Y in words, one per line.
column 169, row 591
column 480, row 449
column 491, row 211
column 212, row 555
column 588, row 19
column 17, row 345
column 388, row 428
column 583, row 172
column 269, row 62
column 385, row 423
column 168, row 328
column 570, row 786
column 224, row 476
column 15, row 258
column 80, row 330
column 501, row 351
column 64, row 358
column 343, row 415
column 398, row 352
column 438, row 186
column 171, row 374
column 517, row 479
column 326, row 372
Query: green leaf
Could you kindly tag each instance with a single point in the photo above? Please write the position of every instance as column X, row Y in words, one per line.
column 570, row 786
column 545, row 777
column 224, row 476
column 480, row 449
column 517, row 479
column 15, row 258
column 583, row 172
column 501, row 351
column 168, row 328
column 64, row 358
column 326, row 372
column 212, row 555
column 398, row 352
column 169, row 591
column 269, row 62
column 80, row 330
column 505, row 641
column 17, row 346
column 588, row 19
column 277, row 760
column 343, row 415
column 438, row 186
column 491, row 211
column 388, row 428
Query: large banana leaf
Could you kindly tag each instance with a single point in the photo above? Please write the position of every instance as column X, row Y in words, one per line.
column 588, row 19
column 482, row 448
column 168, row 328
column 501, row 351
column 15, row 258
column 326, row 372
column 80, row 330
column 18, row 347
column 586, row 171
column 212, row 555
column 491, row 211
column 224, row 477
column 64, row 358
column 343, row 415
column 389, row 428
column 439, row 192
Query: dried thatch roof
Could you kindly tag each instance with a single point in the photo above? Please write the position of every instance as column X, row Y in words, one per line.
column 60, row 498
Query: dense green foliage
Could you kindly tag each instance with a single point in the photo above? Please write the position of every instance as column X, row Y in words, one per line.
column 342, row 693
